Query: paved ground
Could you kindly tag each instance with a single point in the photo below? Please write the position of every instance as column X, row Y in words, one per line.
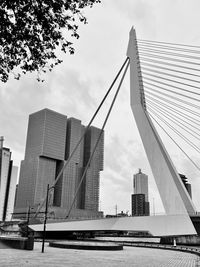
column 130, row 256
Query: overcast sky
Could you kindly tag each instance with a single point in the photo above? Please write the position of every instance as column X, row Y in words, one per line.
column 76, row 87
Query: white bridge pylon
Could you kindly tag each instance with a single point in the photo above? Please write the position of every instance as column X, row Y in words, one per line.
column 174, row 195
column 176, row 201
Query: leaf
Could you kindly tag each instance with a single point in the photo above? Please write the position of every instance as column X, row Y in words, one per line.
column 31, row 31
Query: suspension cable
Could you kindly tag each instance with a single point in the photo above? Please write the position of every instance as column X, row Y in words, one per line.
column 169, row 74
column 166, row 84
column 168, row 108
column 170, row 80
column 168, row 53
column 94, row 149
column 174, row 44
column 172, row 91
column 177, row 132
column 176, row 121
column 160, row 62
column 164, row 47
column 155, row 57
column 169, row 96
column 175, row 143
column 173, row 104
column 168, row 69
column 169, row 58
column 81, row 139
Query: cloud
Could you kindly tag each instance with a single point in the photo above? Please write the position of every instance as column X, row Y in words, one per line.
column 76, row 87
column 122, row 160
column 71, row 93
column 140, row 14
column 138, row 9
column 64, row 92
column 17, row 100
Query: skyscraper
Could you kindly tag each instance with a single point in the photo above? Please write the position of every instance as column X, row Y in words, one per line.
column 45, row 147
column 140, row 184
column 138, row 204
column 91, row 186
column 8, row 180
column 186, row 184
column 51, row 138
column 139, row 200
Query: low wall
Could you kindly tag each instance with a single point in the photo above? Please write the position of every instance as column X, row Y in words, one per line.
column 86, row 245
column 182, row 240
column 26, row 243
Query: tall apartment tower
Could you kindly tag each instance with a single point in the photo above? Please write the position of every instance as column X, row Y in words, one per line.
column 51, row 138
column 8, row 180
column 139, row 200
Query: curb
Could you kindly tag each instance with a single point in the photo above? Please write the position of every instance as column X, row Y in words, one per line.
column 166, row 247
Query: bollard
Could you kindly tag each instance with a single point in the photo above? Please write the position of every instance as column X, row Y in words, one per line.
column 174, row 242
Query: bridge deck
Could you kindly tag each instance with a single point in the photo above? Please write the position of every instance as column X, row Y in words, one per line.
column 162, row 225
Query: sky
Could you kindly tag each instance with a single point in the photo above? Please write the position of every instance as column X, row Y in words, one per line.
column 76, row 87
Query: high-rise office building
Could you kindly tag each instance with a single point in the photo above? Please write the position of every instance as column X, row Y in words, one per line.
column 186, row 184
column 8, row 180
column 44, row 150
column 91, row 186
column 51, row 138
column 139, row 200
column 138, row 204
column 140, row 184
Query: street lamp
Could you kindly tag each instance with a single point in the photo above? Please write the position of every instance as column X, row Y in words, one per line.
column 28, row 219
column 45, row 216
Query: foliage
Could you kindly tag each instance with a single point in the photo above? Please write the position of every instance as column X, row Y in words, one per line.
column 31, row 30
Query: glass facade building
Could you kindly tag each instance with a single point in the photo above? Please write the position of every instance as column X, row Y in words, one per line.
column 8, row 180
column 51, row 138
column 139, row 200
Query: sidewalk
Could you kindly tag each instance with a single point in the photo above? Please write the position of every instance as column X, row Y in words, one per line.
column 130, row 256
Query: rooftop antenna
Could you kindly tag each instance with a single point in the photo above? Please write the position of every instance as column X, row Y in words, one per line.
column 1, row 142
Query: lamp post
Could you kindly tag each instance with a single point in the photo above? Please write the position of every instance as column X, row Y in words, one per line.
column 28, row 219
column 45, row 216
